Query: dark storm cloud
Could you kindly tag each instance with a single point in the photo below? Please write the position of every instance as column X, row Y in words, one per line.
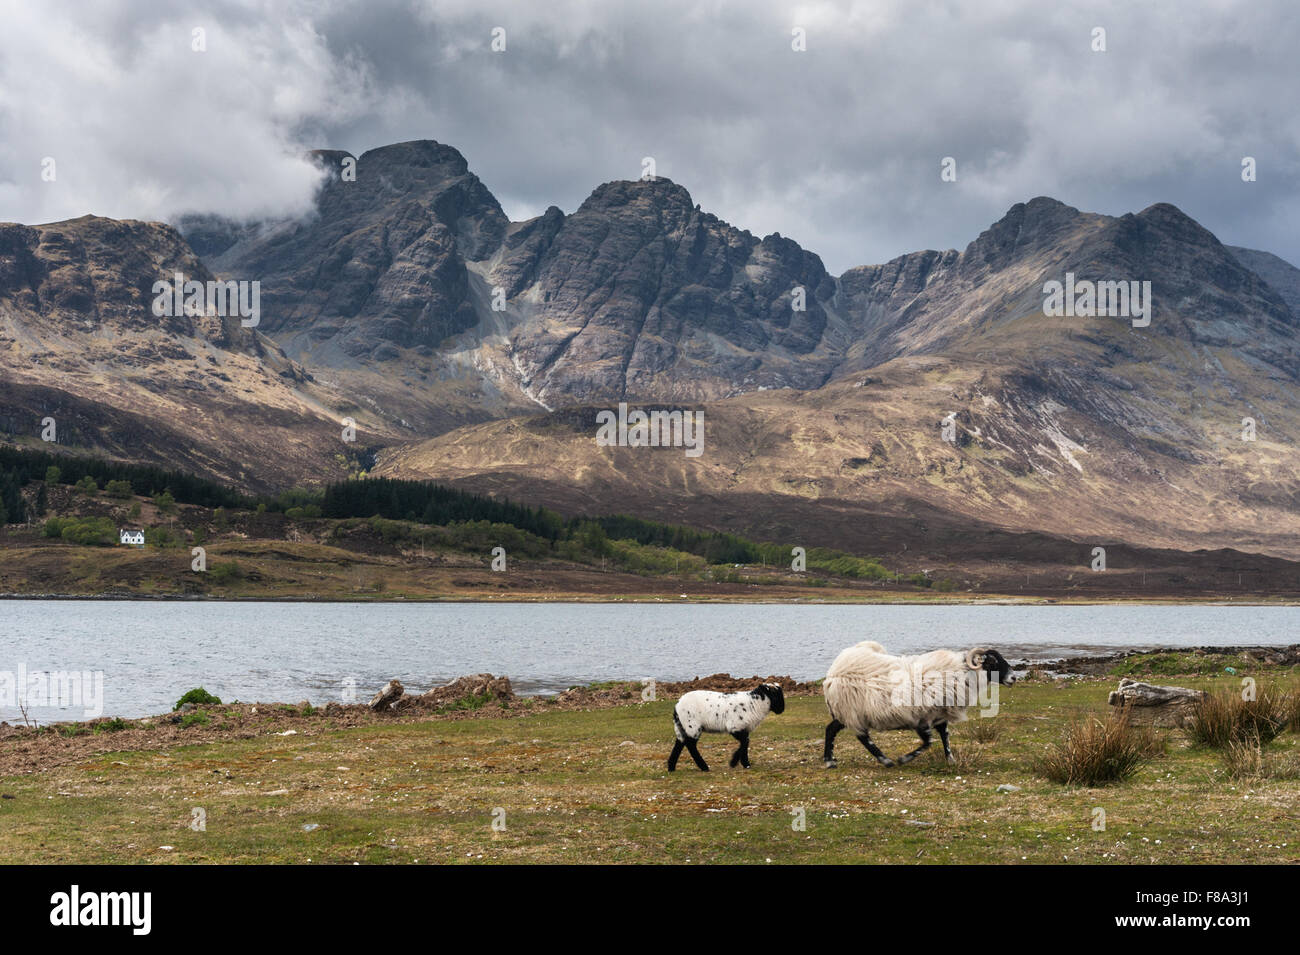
column 838, row 147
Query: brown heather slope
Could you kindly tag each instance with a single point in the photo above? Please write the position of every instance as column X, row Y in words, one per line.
column 79, row 343
column 863, row 468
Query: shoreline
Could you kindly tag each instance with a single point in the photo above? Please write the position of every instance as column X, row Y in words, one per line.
column 578, row 598
column 1088, row 663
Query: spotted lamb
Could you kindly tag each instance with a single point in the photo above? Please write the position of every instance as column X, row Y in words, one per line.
column 703, row 711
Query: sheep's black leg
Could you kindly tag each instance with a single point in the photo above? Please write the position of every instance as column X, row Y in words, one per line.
column 741, row 755
column 947, row 746
column 694, row 750
column 672, row 757
column 924, row 733
column 874, row 750
column 828, row 754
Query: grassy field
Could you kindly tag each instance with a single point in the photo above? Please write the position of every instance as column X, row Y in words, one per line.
column 590, row 786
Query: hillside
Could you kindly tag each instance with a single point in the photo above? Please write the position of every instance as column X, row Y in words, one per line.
column 79, row 343
column 1091, row 430
column 478, row 351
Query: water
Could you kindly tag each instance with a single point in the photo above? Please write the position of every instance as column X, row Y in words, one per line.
column 151, row 652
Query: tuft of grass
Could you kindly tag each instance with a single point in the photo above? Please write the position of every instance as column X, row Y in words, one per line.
column 199, row 697
column 1097, row 753
column 469, row 702
column 983, row 730
column 967, row 758
column 1225, row 717
column 1245, row 760
column 114, row 725
column 197, row 718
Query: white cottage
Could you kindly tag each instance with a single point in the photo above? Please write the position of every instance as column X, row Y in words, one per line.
column 135, row 538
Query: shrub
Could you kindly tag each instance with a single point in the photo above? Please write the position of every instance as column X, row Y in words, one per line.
column 1225, row 717
column 113, row 725
column 227, row 571
column 651, row 559
column 87, row 485
column 199, row 697
column 1095, row 753
column 52, row 474
column 197, row 718
column 95, row 531
column 119, row 489
column 160, row 537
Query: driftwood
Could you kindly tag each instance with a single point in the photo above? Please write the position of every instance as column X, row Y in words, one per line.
column 389, row 695
column 1151, row 705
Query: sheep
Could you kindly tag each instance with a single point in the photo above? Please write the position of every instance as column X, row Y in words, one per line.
column 702, row 711
column 868, row 689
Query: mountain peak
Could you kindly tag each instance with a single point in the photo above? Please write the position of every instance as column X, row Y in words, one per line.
column 419, row 153
column 1039, row 222
column 659, row 191
column 1170, row 219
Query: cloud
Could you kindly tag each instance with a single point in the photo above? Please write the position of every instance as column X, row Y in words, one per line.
column 140, row 124
column 838, row 147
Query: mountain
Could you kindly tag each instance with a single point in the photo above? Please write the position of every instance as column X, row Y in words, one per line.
column 928, row 406
column 80, row 343
column 1091, row 429
column 637, row 293
column 1282, row 276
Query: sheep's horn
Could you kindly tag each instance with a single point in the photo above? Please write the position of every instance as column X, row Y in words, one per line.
column 975, row 657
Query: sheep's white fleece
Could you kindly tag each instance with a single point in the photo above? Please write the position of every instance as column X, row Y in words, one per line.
column 869, row 689
column 704, row 711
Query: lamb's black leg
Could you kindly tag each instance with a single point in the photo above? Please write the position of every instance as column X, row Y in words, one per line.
column 924, row 733
column 947, row 746
column 672, row 757
column 874, row 750
column 694, row 750
column 741, row 755
column 828, row 754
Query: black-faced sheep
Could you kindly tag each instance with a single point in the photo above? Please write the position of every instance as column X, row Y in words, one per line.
column 703, row 711
column 868, row 689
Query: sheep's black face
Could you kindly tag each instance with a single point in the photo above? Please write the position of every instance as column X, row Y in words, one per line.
column 774, row 696
column 994, row 662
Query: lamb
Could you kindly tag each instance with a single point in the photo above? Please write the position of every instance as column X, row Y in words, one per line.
column 868, row 689
column 702, row 711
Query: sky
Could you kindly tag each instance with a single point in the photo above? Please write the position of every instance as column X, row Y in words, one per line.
column 839, row 145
